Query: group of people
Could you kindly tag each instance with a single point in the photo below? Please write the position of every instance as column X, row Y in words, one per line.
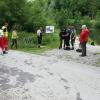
column 4, row 39
column 68, row 36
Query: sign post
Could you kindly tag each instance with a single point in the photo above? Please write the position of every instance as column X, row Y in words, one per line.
column 49, row 29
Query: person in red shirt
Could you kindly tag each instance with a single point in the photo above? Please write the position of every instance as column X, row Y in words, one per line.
column 5, row 37
column 83, row 39
column 1, row 41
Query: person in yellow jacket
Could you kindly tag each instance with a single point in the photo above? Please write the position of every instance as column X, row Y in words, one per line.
column 5, row 37
column 14, row 39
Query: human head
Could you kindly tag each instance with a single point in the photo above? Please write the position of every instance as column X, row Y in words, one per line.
column 72, row 27
column 69, row 27
column 6, row 24
column 14, row 30
column 84, row 26
column 40, row 28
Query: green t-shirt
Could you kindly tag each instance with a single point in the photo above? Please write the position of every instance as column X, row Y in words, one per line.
column 14, row 35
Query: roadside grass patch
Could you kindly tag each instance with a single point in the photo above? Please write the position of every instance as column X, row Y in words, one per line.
column 27, row 42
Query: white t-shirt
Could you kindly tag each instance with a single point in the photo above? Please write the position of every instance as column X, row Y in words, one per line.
column 1, row 33
column 38, row 32
column 3, row 27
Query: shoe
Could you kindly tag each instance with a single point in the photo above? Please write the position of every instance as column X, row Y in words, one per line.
column 72, row 49
column 82, row 55
column 68, row 48
column 39, row 47
column 59, row 47
column 4, row 52
column 79, row 50
column 64, row 48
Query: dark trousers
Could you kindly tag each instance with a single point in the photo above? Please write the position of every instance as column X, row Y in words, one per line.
column 39, row 40
column 83, row 46
column 14, row 43
column 67, row 44
column 72, row 42
column 60, row 46
column 61, row 42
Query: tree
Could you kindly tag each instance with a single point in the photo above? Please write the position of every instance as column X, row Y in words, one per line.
column 93, row 7
column 28, row 15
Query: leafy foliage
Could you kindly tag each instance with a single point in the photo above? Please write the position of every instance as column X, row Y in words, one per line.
column 29, row 15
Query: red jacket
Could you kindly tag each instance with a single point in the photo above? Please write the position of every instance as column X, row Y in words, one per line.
column 84, row 35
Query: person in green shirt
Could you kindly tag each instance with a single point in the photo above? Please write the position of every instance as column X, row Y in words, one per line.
column 14, row 39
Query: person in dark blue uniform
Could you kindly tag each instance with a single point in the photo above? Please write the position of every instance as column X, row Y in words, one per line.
column 67, row 38
column 62, row 36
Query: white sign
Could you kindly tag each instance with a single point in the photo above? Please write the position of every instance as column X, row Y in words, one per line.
column 49, row 29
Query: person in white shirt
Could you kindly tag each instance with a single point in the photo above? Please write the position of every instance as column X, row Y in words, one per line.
column 39, row 37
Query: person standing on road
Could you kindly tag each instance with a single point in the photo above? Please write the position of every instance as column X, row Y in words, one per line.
column 5, row 37
column 14, row 39
column 73, row 36
column 62, row 37
column 83, row 39
column 1, row 42
column 39, row 37
column 68, row 33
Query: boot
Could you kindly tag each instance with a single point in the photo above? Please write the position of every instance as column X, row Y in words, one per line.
column 4, row 52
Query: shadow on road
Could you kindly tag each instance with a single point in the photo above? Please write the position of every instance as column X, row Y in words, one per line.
column 78, row 96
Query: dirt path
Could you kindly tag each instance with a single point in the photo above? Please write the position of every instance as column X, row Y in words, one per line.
column 53, row 75
column 92, row 58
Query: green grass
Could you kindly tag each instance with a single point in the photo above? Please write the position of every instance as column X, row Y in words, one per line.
column 35, row 49
column 49, row 42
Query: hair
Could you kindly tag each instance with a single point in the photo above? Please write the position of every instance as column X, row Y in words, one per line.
column 84, row 26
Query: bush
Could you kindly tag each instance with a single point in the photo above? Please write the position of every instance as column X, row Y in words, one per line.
column 71, row 21
column 29, row 40
column 25, row 39
column 87, row 22
column 97, row 24
column 95, row 35
column 51, row 40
